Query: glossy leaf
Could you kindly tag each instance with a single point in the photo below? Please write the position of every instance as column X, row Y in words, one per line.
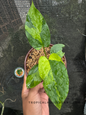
column 55, row 79
column 33, row 77
column 36, row 29
column 57, row 48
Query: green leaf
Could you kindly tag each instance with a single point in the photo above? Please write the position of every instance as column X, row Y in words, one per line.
column 55, row 79
column 57, row 48
column 45, row 34
column 43, row 67
column 33, row 77
column 60, row 53
column 55, row 56
column 50, row 87
column 36, row 29
column 61, row 77
column 35, row 43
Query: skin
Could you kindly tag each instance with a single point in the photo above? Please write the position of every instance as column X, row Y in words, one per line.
column 34, row 100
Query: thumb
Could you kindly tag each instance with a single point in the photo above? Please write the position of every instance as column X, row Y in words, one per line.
column 25, row 91
column 38, row 87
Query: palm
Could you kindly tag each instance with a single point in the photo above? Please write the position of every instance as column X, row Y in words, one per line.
column 35, row 94
column 44, row 105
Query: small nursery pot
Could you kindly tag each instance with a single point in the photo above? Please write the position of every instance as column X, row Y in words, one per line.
column 30, row 53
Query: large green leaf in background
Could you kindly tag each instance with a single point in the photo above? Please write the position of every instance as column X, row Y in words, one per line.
column 55, row 79
column 36, row 29
column 57, row 48
column 33, row 77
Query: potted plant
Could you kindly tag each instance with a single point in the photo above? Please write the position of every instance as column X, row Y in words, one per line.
column 45, row 62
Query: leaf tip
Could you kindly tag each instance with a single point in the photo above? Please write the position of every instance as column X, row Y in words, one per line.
column 32, row 3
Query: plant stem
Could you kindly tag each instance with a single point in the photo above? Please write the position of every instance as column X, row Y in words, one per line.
column 45, row 52
column 4, row 104
column 2, row 108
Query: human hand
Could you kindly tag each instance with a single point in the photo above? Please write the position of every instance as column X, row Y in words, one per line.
column 34, row 100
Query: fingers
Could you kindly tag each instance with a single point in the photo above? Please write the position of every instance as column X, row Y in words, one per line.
column 42, row 90
column 25, row 78
column 25, row 91
column 24, row 84
column 37, row 88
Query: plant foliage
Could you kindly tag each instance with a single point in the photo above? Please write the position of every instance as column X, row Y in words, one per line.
column 36, row 29
column 52, row 71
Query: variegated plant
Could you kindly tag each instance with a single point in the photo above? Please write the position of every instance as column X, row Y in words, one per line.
column 52, row 71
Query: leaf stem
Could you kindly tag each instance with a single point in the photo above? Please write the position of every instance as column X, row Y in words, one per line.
column 45, row 52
